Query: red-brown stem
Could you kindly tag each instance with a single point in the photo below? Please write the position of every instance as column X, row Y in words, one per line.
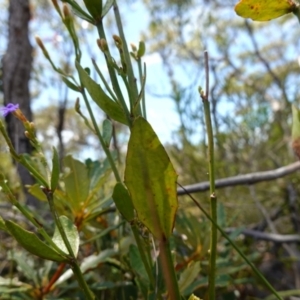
column 54, row 278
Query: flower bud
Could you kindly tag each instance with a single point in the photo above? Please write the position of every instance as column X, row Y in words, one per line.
column 142, row 49
column 102, row 44
column 118, row 41
column 43, row 48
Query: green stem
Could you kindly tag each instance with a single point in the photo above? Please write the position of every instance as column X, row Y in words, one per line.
column 105, row 148
column 213, row 198
column 73, row 262
column 139, row 61
column 82, row 283
column 252, row 266
column 213, row 203
column 49, row 195
column 143, row 255
column 131, row 77
column 104, row 81
column 112, row 75
column 168, row 269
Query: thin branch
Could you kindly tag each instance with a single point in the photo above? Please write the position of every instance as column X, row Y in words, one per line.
column 272, row 237
column 250, row 178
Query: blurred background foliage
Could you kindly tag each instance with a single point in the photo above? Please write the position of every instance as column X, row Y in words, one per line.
column 254, row 80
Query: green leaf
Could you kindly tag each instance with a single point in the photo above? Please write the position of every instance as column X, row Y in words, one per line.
column 77, row 182
column 72, row 235
column 189, row 275
column 95, row 8
column 123, row 201
column 32, row 243
column 36, row 191
column 264, row 10
column 111, row 108
column 79, row 12
column 107, row 131
column 70, row 84
column 151, row 180
column 55, row 170
column 107, row 6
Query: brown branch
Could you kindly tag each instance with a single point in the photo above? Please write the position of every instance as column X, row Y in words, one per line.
column 250, row 178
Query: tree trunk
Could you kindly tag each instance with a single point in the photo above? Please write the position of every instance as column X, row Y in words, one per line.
column 16, row 75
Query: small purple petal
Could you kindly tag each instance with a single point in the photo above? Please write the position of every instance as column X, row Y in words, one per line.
column 9, row 108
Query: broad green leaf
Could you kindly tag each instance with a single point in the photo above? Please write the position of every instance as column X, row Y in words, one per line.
column 107, row 131
column 188, row 275
column 95, row 8
column 77, row 182
column 151, row 180
column 55, row 170
column 72, row 234
column 264, row 10
column 32, row 243
column 123, row 201
column 111, row 108
column 296, row 131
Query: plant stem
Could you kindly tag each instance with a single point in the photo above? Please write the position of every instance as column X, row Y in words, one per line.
column 105, row 148
column 139, row 62
column 141, row 248
column 168, row 269
column 82, row 283
column 252, row 266
column 213, row 198
column 131, row 78
column 112, row 75
column 72, row 261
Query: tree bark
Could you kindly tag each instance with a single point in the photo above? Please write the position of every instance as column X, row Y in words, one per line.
column 17, row 63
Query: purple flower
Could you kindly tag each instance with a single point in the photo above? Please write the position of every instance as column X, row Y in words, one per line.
column 9, row 108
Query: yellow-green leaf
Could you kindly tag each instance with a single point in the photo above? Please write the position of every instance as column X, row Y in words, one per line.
column 123, row 201
column 264, row 10
column 151, row 180
column 77, row 182
column 110, row 107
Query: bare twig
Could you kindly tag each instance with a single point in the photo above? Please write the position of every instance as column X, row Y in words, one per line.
column 272, row 237
column 250, row 178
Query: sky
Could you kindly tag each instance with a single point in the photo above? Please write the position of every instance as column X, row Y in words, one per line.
column 160, row 111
